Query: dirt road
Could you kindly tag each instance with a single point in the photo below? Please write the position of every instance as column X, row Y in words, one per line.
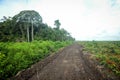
column 68, row 65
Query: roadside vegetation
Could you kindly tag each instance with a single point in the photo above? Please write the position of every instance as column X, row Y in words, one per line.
column 106, row 52
column 20, row 55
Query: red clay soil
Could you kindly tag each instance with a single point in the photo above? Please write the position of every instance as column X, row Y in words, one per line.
column 67, row 64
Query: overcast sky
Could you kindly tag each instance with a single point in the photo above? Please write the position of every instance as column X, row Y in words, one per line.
column 84, row 19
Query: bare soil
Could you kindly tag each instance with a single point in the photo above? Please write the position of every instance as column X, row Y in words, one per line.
column 68, row 64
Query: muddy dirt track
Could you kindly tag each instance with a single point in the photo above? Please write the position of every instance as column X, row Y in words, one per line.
column 69, row 64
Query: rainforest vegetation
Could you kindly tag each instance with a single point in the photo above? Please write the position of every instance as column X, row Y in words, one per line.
column 28, row 26
column 25, row 39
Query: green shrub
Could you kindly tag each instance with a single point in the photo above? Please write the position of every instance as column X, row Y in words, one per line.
column 20, row 55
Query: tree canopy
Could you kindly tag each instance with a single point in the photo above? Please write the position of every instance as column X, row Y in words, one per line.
column 29, row 17
column 57, row 24
column 28, row 26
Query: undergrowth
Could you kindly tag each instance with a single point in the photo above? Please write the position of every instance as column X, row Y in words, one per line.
column 15, row 56
column 106, row 52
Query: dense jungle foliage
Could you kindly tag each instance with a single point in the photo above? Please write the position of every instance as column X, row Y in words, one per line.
column 28, row 26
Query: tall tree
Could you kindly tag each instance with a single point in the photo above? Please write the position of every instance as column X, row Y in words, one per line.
column 31, row 18
column 57, row 24
column 6, row 29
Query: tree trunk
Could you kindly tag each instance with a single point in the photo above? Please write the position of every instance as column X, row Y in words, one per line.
column 28, row 37
column 22, row 32
column 32, row 33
